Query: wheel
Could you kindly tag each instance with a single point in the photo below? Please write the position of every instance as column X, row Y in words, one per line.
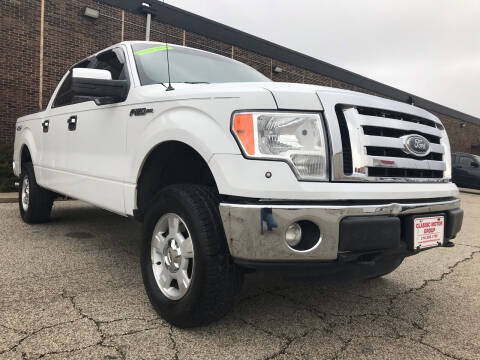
column 386, row 267
column 187, row 270
column 35, row 202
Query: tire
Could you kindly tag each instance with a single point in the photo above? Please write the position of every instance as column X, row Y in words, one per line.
column 212, row 276
column 35, row 203
column 386, row 267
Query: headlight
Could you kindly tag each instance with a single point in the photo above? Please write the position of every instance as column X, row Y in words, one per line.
column 296, row 138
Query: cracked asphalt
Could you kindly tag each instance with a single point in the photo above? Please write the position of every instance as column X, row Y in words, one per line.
column 72, row 289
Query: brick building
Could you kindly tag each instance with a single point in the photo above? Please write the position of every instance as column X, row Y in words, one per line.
column 40, row 39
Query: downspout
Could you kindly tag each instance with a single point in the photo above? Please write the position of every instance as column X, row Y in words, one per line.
column 147, row 29
column 147, row 9
column 42, row 27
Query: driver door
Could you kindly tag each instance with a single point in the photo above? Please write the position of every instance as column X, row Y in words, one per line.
column 95, row 135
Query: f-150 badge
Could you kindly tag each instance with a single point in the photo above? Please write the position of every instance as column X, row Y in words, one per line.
column 140, row 111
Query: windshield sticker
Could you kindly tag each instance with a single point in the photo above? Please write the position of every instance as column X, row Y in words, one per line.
column 153, row 49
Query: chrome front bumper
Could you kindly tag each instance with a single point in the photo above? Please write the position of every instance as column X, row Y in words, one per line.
column 250, row 239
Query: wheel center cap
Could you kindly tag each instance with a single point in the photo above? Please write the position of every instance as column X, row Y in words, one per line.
column 173, row 257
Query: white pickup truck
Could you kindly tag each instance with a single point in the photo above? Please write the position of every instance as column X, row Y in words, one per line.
column 229, row 171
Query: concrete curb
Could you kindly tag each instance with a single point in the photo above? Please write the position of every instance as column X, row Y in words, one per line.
column 470, row 191
column 11, row 197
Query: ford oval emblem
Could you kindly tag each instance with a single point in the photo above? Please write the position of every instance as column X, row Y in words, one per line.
column 416, row 145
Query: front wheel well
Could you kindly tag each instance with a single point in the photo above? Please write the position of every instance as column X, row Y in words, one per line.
column 25, row 156
column 169, row 163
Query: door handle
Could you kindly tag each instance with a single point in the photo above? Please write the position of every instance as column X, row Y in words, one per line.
column 72, row 123
column 45, row 125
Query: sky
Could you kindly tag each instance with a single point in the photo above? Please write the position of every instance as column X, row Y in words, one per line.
column 430, row 48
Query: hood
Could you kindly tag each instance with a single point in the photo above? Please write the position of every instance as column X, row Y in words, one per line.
column 286, row 96
column 294, row 96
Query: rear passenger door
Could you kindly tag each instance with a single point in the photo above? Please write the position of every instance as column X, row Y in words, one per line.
column 52, row 173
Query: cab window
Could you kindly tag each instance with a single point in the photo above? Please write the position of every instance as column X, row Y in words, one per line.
column 111, row 60
column 64, row 95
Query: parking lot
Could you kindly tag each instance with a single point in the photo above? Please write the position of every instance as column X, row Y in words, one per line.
column 72, row 289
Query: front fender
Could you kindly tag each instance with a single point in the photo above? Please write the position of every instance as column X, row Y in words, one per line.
column 188, row 125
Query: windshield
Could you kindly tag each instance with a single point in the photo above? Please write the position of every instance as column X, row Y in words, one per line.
column 189, row 65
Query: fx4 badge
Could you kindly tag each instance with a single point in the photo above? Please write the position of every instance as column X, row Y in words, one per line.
column 140, row 111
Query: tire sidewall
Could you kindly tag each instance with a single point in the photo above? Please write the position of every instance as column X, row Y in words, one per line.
column 182, row 309
column 26, row 173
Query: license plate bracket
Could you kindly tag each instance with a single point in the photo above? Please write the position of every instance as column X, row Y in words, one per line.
column 425, row 231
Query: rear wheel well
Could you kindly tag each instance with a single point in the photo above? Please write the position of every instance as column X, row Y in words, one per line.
column 169, row 163
column 25, row 156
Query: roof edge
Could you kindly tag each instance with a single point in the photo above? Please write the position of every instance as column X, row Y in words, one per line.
column 198, row 24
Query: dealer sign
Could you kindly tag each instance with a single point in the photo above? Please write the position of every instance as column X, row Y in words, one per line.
column 428, row 232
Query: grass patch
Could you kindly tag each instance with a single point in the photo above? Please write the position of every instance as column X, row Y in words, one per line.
column 7, row 179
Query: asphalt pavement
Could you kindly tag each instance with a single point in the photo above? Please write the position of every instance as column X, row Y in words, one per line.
column 72, row 289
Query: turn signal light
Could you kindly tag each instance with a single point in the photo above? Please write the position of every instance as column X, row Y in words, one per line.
column 243, row 128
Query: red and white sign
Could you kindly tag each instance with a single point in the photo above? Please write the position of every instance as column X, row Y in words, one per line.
column 428, row 232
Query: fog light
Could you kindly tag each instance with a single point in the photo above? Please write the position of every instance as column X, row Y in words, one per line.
column 293, row 235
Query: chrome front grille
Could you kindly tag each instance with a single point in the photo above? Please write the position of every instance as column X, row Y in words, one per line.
column 374, row 146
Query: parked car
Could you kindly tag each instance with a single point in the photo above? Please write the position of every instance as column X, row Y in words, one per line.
column 229, row 171
column 466, row 170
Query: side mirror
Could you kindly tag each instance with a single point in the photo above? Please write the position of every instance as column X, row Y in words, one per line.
column 474, row 164
column 98, row 84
